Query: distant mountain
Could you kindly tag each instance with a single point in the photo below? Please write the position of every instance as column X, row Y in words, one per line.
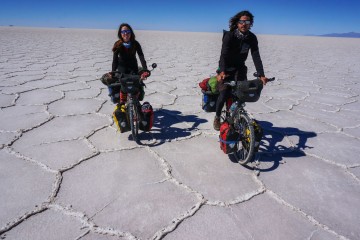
column 348, row 35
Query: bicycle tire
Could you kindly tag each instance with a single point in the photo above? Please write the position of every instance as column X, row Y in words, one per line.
column 246, row 146
column 134, row 120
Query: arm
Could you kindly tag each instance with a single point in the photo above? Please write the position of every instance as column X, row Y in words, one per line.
column 141, row 56
column 255, row 53
column 258, row 63
column 115, row 62
column 225, row 50
column 259, row 66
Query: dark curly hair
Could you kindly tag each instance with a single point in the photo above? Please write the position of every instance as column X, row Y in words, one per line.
column 118, row 43
column 235, row 19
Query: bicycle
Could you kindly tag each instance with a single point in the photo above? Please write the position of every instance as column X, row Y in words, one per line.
column 241, row 121
column 131, row 85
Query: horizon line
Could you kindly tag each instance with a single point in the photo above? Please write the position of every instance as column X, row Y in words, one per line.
column 280, row 34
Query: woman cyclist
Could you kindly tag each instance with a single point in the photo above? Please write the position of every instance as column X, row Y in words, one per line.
column 124, row 58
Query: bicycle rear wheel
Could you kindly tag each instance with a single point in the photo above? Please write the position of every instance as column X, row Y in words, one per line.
column 134, row 120
column 246, row 145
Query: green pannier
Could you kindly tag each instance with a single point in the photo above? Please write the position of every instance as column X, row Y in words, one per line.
column 213, row 85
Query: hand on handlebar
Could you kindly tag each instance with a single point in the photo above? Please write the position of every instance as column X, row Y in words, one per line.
column 264, row 80
column 144, row 75
column 221, row 76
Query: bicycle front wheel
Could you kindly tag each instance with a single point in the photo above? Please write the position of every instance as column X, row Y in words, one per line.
column 246, row 145
column 134, row 120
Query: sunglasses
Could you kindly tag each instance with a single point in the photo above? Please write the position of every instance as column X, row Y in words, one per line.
column 125, row 31
column 247, row 22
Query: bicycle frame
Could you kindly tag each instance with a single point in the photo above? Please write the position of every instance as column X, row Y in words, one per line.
column 244, row 125
column 131, row 85
column 134, row 115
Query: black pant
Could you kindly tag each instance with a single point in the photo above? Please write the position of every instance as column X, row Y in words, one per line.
column 223, row 96
column 225, row 90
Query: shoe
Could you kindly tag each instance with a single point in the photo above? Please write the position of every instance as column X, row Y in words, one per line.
column 217, row 123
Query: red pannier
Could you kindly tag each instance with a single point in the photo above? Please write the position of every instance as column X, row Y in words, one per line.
column 228, row 138
column 147, row 119
column 204, row 84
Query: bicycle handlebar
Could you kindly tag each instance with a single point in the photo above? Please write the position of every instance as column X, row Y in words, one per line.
column 232, row 83
column 116, row 84
column 131, row 76
column 154, row 65
column 125, row 77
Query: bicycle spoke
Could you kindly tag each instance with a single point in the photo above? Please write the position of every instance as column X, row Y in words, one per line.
column 247, row 135
column 134, row 120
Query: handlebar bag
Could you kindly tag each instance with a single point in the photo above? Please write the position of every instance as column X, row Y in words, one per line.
column 248, row 91
column 130, row 84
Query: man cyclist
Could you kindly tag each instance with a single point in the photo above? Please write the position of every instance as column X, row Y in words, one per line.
column 236, row 45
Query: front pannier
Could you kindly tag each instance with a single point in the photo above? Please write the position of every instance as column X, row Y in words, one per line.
column 229, row 138
column 130, row 84
column 121, row 118
column 147, row 117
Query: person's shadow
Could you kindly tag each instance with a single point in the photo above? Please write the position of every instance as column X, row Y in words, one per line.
column 170, row 125
column 275, row 146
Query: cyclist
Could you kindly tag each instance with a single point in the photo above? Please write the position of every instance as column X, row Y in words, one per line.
column 236, row 44
column 124, row 58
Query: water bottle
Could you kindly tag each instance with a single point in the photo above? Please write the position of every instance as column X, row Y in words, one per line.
column 233, row 107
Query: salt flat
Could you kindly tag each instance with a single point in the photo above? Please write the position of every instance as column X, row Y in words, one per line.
column 67, row 174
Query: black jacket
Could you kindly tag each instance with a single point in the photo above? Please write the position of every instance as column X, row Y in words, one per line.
column 124, row 59
column 234, row 52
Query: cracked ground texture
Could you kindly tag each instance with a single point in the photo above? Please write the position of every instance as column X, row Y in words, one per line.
column 66, row 173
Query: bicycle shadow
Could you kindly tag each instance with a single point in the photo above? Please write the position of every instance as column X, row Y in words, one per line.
column 273, row 148
column 170, row 125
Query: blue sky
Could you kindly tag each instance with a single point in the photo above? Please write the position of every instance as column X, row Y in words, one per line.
column 293, row 17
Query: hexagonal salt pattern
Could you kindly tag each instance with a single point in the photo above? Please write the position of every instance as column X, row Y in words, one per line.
column 7, row 100
column 22, row 117
column 131, row 183
column 24, row 187
column 49, row 224
column 67, row 173
column 243, row 221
